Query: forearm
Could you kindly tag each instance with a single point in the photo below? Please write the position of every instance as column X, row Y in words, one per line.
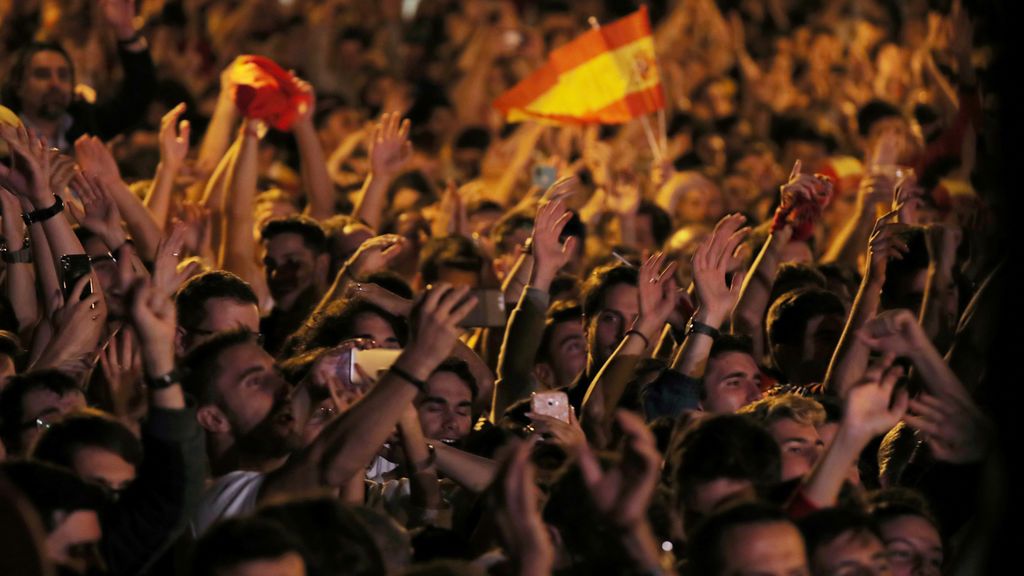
column 370, row 205
column 748, row 314
column 424, row 490
column 137, row 218
column 932, row 317
column 693, row 352
column 526, row 143
column 470, row 471
column 850, row 358
column 822, row 486
column 315, row 179
column 519, row 351
column 237, row 249
column 46, row 269
column 609, row 384
column 21, row 287
column 935, row 373
column 517, row 279
column 218, row 134
column 852, row 238
column 158, row 200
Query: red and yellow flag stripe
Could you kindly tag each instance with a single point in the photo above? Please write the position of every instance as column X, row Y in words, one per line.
column 608, row 75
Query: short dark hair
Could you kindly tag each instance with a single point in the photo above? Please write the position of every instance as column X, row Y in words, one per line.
column 788, row 315
column 202, row 363
column 312, row 233
column 238, row 540
column 889, row 503
column 874, row 111
column 601, row 281
column 705, row 547
column 93, row 428
column 190, row 300
column 824, row 526
column 11, row 410
column 52, row 489
column 724, row 344
column 508, row 225
column 725, row 446
column 460, row 368
column 456, row 252
column 661, row 222
column 16, row 76
column 336, row 323
column 796, row 275
column 559, row 312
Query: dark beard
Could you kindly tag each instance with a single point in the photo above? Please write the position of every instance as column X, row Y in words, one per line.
column 266, row 440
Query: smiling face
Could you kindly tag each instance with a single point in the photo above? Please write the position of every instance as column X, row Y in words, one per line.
column 446, row 408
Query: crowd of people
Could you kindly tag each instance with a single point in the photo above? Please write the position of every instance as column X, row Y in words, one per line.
column 397, row 334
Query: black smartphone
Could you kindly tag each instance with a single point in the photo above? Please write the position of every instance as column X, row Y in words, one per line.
column 72, row 268
column 489, row 311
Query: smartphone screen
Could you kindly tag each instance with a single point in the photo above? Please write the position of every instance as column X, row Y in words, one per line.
column 72, row 268
column 489, row 311
column 373, row 362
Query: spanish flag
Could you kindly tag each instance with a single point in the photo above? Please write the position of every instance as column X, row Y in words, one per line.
column 608, row 75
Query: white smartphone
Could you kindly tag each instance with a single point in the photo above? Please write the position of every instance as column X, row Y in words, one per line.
column 373, row 363
column 554, row 404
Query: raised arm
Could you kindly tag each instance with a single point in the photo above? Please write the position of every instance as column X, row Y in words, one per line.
column 389, row 150
column 315, row 179
column 347, row 445
column 217, row 137
column 173, row 138
column 94, row 157
column 850, row 358
column 939, row 293
column 237, row 249
column 21, row 278
column 526, row 324
column 711, row 262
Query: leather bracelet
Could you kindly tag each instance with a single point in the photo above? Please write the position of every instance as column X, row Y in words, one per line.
column 647, row 341
column 23, row 256
column 163, row 381
column 419, row 384
column 696, row 327
column 44, row 213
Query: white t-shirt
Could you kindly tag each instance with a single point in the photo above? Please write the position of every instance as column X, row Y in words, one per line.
column 233, row 494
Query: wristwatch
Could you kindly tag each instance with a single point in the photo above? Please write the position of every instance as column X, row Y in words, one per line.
column 694, row 326
column 23, row 256
column 42, row 214
column 163, row 381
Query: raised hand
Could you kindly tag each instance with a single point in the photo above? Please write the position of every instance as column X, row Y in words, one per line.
column 95, row 158
column 120, row 15
column 389, row 146
column 375, row 254
column 174, row 135
column 874, row 405
column 435, row 319
column 955, row 429
column 711, row 262
column 561, row 189
column 77, row 324
column 658, row 295
column 154, row 319
column 518, row 520
column 376, row 294
column 907, row 200
column 331, row 372
column 942, row 242
column 893, row 331
column 306, row 111
column 168, row 276
column 122, row 371
column 99, row 213
column 623, row 493
column 567, row 435
column 549, row 252
column 885, row 243
column 62, row 170
column 29, row 174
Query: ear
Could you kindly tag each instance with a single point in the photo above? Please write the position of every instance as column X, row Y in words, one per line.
column 544, row 374
column 179, row 341
column 213, row 419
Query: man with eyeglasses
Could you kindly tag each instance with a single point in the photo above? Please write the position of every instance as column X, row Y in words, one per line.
column 33, row 401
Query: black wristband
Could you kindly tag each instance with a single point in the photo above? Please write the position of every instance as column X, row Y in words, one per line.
column 419, row 384
column 23, row 256
column 696, row 327
column 163, row 381
column 647, row 341
column 44, row 213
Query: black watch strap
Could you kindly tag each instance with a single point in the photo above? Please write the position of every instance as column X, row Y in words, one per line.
column 695, row 327
column 163, row 381
column 42, row 214
column 23, row 256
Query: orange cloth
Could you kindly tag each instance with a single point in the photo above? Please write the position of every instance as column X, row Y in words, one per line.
column 265, row 91
column 608, row 75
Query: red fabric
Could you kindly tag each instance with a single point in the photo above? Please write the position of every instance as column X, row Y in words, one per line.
column 265, row 91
